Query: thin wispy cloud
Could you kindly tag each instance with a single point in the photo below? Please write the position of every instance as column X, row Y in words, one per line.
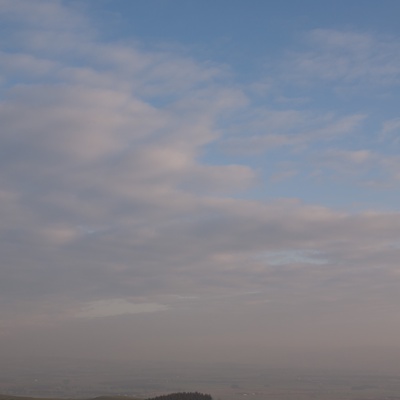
column 348, row 57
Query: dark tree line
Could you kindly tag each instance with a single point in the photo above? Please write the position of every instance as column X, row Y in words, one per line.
column 183, row 396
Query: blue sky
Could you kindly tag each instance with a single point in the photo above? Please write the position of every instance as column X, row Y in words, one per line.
column 253, row 41
column 217, row 172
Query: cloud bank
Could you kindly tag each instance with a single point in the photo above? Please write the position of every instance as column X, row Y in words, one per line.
column 113, row 204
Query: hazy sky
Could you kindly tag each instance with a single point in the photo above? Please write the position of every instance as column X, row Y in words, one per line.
column 210, row 179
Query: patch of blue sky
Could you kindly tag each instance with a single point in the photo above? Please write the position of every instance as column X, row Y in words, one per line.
column 287, row 257
column 234, row 28
column 246, row 37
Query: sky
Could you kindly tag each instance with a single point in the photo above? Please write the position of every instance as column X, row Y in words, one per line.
column 214, row 181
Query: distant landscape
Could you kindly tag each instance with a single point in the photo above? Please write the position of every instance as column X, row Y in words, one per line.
column 171, row 396
column 109, row 381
